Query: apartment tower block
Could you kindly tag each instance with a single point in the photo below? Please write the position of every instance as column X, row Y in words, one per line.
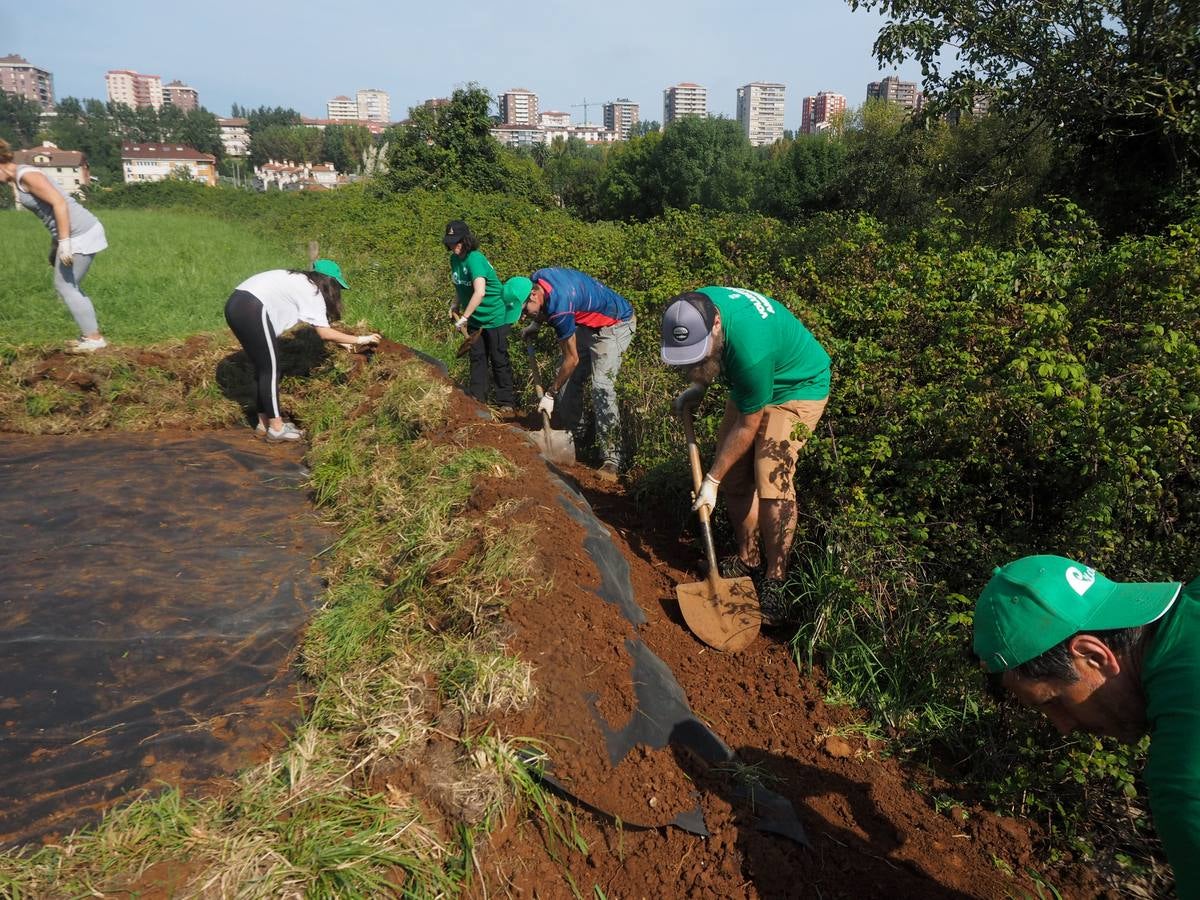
column 893, row 90
column 620, row 116
column 20, row 77
column 760, row 112
column 684, row 99
column 519, row 106
column 133, row 88
column 820, row 111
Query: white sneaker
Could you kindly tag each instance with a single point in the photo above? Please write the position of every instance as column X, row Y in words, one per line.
column 260, row 429
column 288, row 432
column 86, row 345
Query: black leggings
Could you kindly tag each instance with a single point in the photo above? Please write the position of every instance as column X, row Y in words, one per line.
column 252, row 327
column 492, row 350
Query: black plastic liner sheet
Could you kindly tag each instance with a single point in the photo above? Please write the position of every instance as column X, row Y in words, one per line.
column 662, row 716
column 152, row 588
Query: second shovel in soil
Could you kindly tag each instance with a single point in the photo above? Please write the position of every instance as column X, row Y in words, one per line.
column 556, row 446
column 722, row 612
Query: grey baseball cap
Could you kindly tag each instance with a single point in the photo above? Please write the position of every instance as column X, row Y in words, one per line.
column 687, row 329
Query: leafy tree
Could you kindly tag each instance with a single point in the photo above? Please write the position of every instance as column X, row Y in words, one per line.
column 454, row 145
column 905, row 171
column 644, row 127
column 629, row 186
column 343, row 145
column 572, row 171
column 86, row 126
column 297, row 143
column 199, row 128
column 696, row 162
column 1116, row 82
column 20, row 120
column 265, row 116
column 800, row 175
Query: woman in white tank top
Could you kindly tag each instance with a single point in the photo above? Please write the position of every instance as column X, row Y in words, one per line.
column 77, row 234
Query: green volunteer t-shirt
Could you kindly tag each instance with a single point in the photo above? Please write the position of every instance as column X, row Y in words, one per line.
column 1171, row 680
column 769, row 356
column 491, row 312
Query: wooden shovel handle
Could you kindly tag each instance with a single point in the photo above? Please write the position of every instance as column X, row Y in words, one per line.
column 697, row 479
column 537, row 387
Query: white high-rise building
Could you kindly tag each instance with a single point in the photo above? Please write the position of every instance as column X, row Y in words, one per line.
column 684, row 99
column 553, row 118
column 133, row 88
column 342, row 107
column 760, row 111
column 620, row 116
column 374, row 105
column 519, row 106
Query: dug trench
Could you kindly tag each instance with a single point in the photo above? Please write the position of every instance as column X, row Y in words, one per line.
column 871, row 830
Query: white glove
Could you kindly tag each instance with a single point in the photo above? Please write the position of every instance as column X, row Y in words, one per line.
column 64, row 252
column 708, row 494
column 461, row 323
column 363, row 339
column 546, row 404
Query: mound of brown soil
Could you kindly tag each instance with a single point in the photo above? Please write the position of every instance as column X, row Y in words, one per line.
column 873, row 832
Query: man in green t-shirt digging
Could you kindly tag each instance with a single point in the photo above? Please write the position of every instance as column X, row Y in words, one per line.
column 1115, row 659
column 778, row 379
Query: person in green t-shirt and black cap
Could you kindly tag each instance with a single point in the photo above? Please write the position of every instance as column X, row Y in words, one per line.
column 778, row 378
column 479, row 307
column 1115, row 659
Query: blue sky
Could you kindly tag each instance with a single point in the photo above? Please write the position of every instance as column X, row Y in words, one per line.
column 302, row 53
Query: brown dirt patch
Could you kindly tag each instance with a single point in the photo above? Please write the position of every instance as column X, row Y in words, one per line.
column 873, row 834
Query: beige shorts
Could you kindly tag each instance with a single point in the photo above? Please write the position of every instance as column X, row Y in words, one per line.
column 769, row 466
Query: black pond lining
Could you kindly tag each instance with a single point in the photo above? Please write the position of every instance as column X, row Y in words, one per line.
column 661, row 716
column 152, row 589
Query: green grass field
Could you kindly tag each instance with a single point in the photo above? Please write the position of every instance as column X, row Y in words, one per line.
column 164, row 275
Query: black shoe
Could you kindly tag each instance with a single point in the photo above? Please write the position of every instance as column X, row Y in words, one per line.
column 776, row 603
column 732, row 567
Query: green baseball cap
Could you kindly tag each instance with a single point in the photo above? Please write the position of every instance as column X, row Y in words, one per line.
column 1037, row 602
column 516, row 291
column 332, row 269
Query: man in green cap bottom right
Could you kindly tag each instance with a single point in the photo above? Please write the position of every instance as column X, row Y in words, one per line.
column 1117, row 659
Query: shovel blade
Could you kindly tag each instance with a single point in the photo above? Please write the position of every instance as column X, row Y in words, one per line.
column 557, row 446
column 722, row 612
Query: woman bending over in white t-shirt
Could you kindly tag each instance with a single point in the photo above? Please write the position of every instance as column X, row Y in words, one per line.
column 77, row 237
column 266, row 305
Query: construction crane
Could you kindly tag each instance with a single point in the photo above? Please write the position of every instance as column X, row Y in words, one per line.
column 585, row 104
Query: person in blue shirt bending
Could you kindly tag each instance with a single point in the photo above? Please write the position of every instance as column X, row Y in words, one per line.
column 594, row 326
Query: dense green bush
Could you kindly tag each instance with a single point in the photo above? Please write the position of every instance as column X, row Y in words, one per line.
column 988, row 402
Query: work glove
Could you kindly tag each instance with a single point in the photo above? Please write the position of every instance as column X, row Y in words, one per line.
column 364, row 340
column 546, row 404
column 688, row 399
column 460, row 323
column 64, row 252
column 708, row 494
column 530, row 331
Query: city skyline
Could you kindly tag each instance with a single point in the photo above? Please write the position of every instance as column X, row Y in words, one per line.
column 414, row 56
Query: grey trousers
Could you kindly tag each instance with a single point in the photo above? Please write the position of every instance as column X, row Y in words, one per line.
column 600, row 351
column 68, row 283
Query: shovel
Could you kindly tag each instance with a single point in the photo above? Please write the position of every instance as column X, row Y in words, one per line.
column 556, row 446
column 469, row 336
column 722, row 612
